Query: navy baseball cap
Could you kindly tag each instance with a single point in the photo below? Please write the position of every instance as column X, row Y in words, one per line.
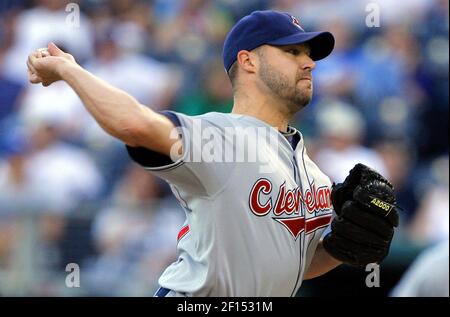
column 273, row 28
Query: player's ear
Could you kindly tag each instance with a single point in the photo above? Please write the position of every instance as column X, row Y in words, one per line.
column 247, row 61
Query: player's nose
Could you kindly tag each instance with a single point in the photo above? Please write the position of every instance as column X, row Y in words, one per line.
column 306, row 62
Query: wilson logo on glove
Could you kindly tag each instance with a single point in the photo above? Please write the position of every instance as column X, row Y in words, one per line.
column 381, row 204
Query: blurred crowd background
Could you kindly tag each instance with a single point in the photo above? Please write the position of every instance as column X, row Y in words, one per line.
column 70, row 194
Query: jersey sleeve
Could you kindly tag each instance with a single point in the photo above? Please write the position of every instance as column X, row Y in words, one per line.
column 201, row 169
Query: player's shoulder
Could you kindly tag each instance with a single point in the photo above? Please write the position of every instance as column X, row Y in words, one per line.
column 217, row 116
column 222, row 119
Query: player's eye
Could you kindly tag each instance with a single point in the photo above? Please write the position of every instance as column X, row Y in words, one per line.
column 293, row 51
column 296, row 51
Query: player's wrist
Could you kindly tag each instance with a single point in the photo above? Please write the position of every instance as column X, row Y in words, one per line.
column 65, row 68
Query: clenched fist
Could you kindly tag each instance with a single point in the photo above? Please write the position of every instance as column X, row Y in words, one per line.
column 45, row 66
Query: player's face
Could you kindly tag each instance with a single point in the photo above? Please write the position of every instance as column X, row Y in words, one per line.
column 287, row 72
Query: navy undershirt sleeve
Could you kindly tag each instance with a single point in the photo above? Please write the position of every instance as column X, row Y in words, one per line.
column 150, row 158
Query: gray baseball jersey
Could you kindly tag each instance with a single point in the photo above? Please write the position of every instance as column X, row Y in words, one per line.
column 255, row 206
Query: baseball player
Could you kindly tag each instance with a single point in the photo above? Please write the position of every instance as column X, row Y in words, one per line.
column 253, row 227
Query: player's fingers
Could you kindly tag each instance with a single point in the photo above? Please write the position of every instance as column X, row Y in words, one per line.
column 31, row 67
column 32, row 60
column 33, row 78
column 36, row 55
column 45, row 53
column 54, row 50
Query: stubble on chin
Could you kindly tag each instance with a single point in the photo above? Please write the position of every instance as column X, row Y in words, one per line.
column 303, row 95
column 296, row 95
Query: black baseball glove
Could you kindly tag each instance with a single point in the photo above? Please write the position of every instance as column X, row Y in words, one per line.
column 363, row 229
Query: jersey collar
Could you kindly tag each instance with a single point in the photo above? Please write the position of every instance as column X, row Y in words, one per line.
column 293, row 138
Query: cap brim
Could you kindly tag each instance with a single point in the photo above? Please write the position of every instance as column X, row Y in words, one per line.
column 321, row 43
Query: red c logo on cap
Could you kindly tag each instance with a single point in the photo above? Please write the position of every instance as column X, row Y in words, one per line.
column 297, row 23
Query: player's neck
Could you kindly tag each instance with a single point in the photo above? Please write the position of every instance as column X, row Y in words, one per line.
column 263, row 109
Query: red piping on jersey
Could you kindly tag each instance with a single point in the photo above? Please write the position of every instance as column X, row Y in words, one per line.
column 183, row 232
column 317, row 222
